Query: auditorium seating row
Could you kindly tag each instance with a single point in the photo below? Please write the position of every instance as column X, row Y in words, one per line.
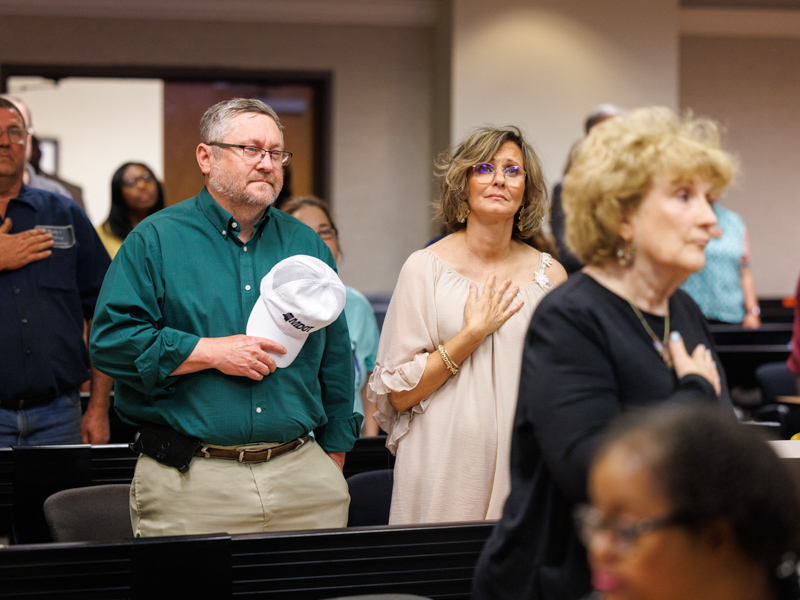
column 433, row 562
column 29, row 475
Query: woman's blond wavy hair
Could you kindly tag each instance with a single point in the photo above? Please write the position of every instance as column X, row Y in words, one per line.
column 615, row 167
column 480, row 146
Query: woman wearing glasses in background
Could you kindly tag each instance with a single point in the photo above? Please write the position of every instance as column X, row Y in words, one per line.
column 358, row 311
column 446, row 378
column 135, row 195
column 618, row 335
column 689, row 505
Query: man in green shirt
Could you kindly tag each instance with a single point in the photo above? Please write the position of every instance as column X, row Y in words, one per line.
column 169, row 327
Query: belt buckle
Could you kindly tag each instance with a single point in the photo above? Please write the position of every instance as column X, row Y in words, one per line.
column 246, row 451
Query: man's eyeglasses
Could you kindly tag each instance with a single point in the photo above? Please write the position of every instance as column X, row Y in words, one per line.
column 256, row 154
column 623, row 533
column 16, row 135
column 130, row 182
column 485, row 172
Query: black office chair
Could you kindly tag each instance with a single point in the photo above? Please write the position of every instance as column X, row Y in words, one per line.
column 775, row 379
column 97, row 513
column 370, row 497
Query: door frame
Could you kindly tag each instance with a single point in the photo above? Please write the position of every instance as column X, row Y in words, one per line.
column 320, row 81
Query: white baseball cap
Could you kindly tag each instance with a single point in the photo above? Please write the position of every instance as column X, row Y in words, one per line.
column 300, row 295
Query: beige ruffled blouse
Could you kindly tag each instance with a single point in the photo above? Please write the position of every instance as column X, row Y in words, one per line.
column 453, row 448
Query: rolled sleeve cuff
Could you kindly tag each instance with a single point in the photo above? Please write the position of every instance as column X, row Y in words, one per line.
column 162, row 358
column 339, row 435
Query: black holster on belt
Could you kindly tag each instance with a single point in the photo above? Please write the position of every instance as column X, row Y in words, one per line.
column 167, row 446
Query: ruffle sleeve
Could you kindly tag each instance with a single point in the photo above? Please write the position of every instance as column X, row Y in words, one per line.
column 409, row 335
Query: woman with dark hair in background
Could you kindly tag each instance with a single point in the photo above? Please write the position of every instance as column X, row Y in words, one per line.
column 617, row 335
column 446, row 378
column 686, row 504
column 358, row 311
column 135, row 195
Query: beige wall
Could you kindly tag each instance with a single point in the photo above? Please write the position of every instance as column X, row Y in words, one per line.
column 403, row 93
column 382, row 108
column 752, row 86
column 543, row 64
column 95, row 140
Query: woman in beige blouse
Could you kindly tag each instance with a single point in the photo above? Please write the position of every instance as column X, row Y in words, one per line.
column 446, row 377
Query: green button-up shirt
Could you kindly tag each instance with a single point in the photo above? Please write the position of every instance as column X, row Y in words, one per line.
column 183, row 274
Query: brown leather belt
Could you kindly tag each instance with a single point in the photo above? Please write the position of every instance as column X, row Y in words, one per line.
column 248, row 456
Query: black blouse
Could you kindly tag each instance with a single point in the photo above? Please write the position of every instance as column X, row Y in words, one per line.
column 586, row 359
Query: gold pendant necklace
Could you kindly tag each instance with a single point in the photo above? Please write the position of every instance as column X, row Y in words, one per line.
column 659, row 345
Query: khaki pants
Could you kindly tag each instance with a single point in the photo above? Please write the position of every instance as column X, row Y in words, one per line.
column 304, row 489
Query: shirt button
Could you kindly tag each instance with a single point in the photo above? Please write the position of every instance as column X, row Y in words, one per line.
column 234, row 225
column 245, row 248
column 258, row 410
column 224, row 232
column 247, row 287
column 16, row 290
column 28, row 352
column 24, row 321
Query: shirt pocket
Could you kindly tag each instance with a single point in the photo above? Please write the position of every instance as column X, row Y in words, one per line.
column 58, row 271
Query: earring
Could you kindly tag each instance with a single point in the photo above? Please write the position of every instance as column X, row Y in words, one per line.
column 463, row 212
column 626, row 253
column 521, row 214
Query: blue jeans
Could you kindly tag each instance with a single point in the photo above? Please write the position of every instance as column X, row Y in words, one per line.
column 58, row 422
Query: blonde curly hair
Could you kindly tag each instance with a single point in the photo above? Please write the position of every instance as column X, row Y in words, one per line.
column 480, row 146
column 615, row 167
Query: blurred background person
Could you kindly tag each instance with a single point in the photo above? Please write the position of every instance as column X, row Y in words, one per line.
column 445, row 382
column 618, row 335
column 358, row 311
column 689, row 505
column 136, row 194
column 724, row 289
column 75, row 191
column 599, row 113
column 794, row 358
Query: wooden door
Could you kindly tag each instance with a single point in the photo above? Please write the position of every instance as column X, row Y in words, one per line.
column 184, row 105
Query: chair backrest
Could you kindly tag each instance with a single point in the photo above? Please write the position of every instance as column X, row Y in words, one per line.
column 775, row 379
column 97, row 513
column 370, row 498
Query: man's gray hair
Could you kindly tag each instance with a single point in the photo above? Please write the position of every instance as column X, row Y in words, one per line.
column 216, row 121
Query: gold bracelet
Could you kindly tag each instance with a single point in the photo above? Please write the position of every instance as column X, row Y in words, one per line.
column 450, row 358
column 448, row 361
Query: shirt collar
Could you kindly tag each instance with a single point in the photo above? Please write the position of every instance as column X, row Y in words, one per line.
column 223, row 222
column 24, row 196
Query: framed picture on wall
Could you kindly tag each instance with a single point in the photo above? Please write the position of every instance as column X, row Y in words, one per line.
column 48, row 161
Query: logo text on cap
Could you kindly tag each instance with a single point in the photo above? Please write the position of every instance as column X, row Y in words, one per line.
column 292, row 320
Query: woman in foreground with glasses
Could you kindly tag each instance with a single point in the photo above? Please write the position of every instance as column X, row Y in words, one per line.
column 135, row 195
column 358, row 311
column 618, row 335
column 688, row 504
column 445, row 381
